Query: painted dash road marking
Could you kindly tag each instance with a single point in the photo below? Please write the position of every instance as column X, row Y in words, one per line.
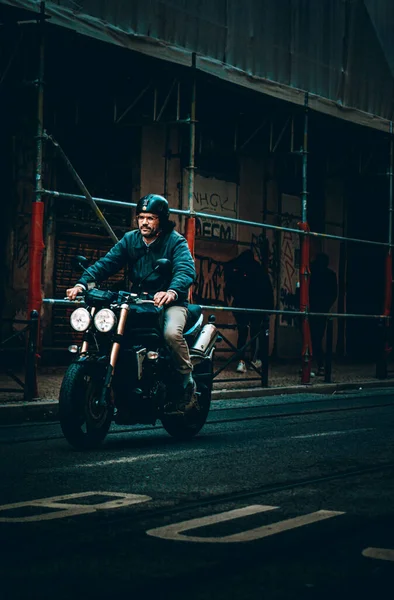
column 328, row 433
column 100, row 463
column 380, row 553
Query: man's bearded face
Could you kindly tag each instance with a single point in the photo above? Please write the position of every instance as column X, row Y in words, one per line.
column 148, row 224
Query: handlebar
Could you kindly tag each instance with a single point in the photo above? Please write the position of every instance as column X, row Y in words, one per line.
column 127, row 296
column 77, row 299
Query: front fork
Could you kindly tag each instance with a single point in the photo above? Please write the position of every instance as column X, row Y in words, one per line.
column 124, row 311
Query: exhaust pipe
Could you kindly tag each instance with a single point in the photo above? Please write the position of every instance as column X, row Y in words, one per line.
column 205, row 341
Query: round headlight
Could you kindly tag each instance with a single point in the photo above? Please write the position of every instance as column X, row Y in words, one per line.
column 105, row 320
column 80, row 319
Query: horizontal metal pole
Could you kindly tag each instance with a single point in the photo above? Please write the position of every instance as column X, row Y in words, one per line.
column 63, row 302
column 68, row 196
column 289, row 229
column 187, row 213
column 233, row 379
column 24, row 321
column 293, row 313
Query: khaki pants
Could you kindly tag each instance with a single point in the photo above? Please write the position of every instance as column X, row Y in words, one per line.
column 174, row 321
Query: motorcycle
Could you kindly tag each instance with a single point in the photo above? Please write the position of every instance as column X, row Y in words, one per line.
column 123, row 371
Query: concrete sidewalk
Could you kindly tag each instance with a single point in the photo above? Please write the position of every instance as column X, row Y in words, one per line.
column 284, row 378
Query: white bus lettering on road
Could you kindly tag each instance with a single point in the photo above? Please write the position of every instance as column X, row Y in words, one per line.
column 67, row 506
column 176, row 531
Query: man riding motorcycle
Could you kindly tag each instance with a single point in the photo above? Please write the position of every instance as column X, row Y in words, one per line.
column 139, row 250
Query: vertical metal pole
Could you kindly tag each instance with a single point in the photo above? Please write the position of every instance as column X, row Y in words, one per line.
column 40, row 102
column 155, row 104
column 381, row 358
column 36, row 240
column 31, row 390
column 191, row 221
column 178, row 101
column 304, row 267
column 328, row 357
column 264, row 338
column 391, row 186
column 304, row 194
column 166, row 159
column 384, row 326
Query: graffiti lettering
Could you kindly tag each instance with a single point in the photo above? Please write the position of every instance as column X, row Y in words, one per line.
column 209, row 286
column 215, row 203
column 205, row 228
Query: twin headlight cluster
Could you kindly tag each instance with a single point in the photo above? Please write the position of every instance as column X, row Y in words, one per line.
column 104, row 320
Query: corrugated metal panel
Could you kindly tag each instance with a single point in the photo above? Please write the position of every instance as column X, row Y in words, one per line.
column 340, row 51
column 381, row 14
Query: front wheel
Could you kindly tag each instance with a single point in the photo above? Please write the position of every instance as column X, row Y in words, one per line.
column 84, row 424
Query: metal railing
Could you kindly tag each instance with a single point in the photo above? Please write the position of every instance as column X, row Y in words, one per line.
column 28, row 387
column 263, row 335
column 381, row 355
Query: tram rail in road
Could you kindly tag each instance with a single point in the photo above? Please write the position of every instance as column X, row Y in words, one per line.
column 270, row 410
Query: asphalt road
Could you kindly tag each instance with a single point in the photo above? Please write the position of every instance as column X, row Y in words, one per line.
column 291, row 499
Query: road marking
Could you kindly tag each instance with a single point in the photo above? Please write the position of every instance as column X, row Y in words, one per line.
column 328, row 433
column 177, row 530
column 115, row 461
column 64, row 509
column 100, row 463
column 380, row 553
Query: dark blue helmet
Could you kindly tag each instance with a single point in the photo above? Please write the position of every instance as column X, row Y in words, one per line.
column 155, row 204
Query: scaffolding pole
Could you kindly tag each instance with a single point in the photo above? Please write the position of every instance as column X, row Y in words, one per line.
column 36, row 242
column 304, row 266
column 36, row 239
column 86, row 194
column 389, row 266
column 384, row 325
column 191, row 220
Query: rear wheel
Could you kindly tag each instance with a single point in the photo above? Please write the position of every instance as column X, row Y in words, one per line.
column 84, row 424
column 185, row 425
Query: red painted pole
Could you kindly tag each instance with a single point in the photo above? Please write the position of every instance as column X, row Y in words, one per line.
column 190, row 234
column 304, row 306
column 36, row 249
column 36, row 240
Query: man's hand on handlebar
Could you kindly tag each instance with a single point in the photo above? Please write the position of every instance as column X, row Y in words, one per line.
column 73, row 292
column 161, row 298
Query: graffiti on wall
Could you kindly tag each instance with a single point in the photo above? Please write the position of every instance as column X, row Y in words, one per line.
column 209, row 287
column 289, row 260
column 210, row 284
column 217, row 197
column 213, row 229
column 22, row 242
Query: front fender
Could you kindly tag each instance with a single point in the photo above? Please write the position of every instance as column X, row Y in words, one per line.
column 96, row 365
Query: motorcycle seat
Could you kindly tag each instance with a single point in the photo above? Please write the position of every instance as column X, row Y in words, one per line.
column 194, row 317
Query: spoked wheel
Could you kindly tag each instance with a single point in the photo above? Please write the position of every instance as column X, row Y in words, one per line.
column 84, row 424
column 186, row 424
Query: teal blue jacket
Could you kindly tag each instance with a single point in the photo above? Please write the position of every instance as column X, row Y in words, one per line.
column 132, row 252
